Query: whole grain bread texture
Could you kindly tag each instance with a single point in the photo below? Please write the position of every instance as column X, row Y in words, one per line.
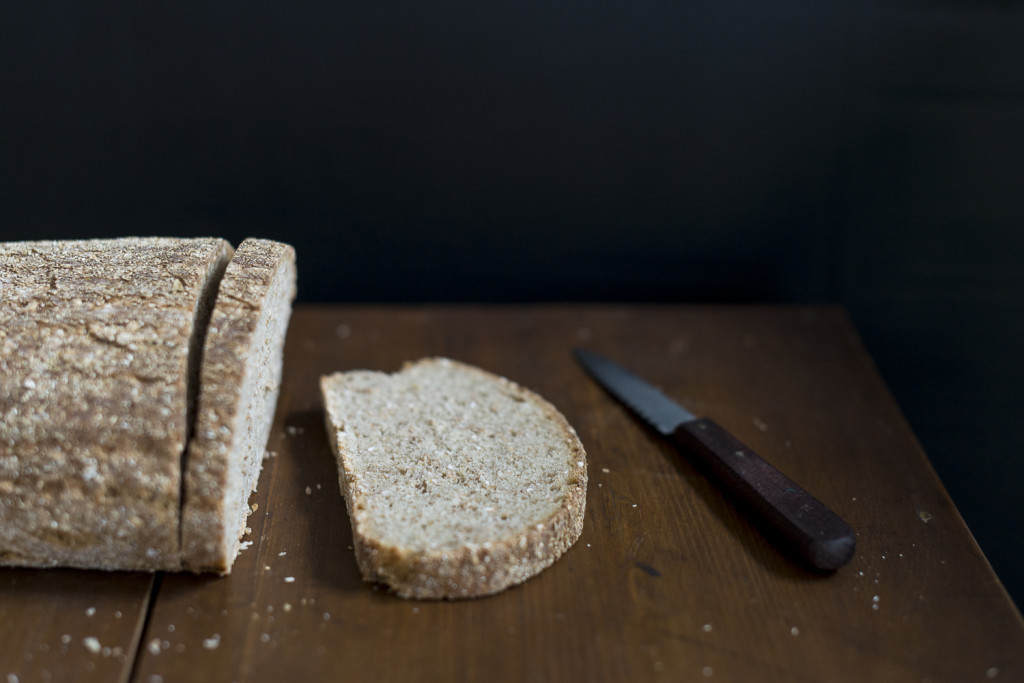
column 138, row 383
column 239, row 384
column 458, row 483
column 98, row 343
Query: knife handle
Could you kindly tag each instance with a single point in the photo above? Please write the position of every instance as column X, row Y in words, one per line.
column 802, row 522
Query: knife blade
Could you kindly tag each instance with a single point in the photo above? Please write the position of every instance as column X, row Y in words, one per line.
column 798, row 521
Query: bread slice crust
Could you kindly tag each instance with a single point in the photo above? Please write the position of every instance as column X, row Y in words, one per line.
column 468, row 525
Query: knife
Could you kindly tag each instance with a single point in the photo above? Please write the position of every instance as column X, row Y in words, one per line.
column 804, row 525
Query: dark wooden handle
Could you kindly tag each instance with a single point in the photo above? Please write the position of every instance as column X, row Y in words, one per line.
column 802, row 522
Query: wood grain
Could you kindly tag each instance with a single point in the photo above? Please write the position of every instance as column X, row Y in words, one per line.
column 668, row 581
column 70, row 625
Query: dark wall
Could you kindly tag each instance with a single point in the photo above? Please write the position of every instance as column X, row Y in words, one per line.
column 862, row 152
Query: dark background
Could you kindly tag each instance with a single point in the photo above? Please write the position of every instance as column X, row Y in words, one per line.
column 862, row 152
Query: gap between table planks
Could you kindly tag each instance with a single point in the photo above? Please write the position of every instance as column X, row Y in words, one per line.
column 668, row 580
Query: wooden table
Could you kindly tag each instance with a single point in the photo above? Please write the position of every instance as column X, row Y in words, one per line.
column 667, row 582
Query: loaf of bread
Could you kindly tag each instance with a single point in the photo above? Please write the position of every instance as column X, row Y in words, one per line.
column 103, row 346
column 458, row 483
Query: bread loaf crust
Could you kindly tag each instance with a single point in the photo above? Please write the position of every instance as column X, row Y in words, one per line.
column 96, row 342
column 472, row 569
column 239, row 385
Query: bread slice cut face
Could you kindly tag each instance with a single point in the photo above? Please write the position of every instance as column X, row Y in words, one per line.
column 458, row 483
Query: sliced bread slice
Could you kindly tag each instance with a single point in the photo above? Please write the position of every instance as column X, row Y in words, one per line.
column 459, row 483
column 239, row 382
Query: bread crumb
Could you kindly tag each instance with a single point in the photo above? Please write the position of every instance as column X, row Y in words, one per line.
column 924, row 516
column 91, row 644
column 212, row 642
column 282, row 553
